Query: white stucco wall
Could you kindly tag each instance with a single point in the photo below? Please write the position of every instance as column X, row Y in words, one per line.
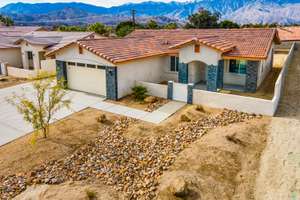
column 167, row 74
column 11, row 56
column 264, row 68
column 207, row 55
column 35, row 49
column 71, row 54
column 148, row 70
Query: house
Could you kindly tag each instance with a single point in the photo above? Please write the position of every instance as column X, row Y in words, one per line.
column 35, row 45
column 10, row 52
column 288, row 35
column 23, row 49
column 210, row 59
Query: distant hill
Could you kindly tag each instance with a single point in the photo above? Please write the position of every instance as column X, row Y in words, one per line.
column 241, row 11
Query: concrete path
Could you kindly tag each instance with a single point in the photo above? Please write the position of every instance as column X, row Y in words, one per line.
column 12, row 125
column 154, row 117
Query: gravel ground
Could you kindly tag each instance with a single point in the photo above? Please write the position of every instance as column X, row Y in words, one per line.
column 279, row 176
column 132, row 166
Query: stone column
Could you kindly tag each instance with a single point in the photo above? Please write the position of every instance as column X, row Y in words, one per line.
column 61, row 73
column 183, row 73
column 220, row 74
column 190, row 93
column 112, row 83
column 170, row 90
column 251, row 75
column 212, row 78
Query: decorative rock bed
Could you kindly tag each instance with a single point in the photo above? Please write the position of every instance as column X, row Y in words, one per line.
column 130, row 166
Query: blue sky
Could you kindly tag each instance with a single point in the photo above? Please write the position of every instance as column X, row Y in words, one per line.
column 106, row 3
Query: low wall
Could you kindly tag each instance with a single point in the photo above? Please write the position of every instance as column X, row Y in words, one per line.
column 155, row 89
column 279, row 85
column 233, row 102
column 20, row 73
column 48, row 65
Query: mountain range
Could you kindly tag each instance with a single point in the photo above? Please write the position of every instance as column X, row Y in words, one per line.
column 240, row 11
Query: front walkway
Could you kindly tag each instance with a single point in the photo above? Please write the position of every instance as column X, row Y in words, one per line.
column 155, row 117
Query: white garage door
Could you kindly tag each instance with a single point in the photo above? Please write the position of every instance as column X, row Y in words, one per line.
column 90, row 80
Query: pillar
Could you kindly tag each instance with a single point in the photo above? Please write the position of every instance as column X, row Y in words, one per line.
column 112, row 83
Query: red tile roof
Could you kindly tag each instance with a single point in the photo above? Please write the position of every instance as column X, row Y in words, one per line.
column 211, row 41
column 235, row 43
column 289, row 33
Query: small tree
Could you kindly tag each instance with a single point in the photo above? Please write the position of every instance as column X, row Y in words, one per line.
column 139, row 92
column 203, row 19
column 151, row 24
column 49, row 98
column 100, row 29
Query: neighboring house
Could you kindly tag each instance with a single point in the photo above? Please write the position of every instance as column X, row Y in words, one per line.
column 288, row 35
column 35, row 45
column 211, row 59
column 9, row 52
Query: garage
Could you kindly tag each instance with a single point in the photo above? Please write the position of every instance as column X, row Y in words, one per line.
column 86, row 78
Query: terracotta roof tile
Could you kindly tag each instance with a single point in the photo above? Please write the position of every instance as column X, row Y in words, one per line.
column 241, row 43
column 289, row 33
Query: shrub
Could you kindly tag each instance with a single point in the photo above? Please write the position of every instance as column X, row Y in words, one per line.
column 200, row 109
column 139, row 92
column 102, row 119
column 91, row 194
column 184, row 118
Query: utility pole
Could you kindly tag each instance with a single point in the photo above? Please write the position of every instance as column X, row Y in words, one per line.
column 133, row 12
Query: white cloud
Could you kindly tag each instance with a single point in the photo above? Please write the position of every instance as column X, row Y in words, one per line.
column 106, row 3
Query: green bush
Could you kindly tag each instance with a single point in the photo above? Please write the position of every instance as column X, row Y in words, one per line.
column 139, row 92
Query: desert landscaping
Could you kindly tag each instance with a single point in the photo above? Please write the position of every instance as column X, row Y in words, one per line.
column 139, row 160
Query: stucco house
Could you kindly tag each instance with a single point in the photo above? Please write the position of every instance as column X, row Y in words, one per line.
column 210, row 59
column 9, row 51
column 34, row 45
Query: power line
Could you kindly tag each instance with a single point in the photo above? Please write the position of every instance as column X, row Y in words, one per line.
column 133, row 13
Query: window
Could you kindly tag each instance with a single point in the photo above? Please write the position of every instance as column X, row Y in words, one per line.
column 91, row 66
column 80, row 50
column 174, row 64
column 30, row 55
column 71, row 63
column 80, row 64
column 101, row 67
column 237, row 66
column 197, row 48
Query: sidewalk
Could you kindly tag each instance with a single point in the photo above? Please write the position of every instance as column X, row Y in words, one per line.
column 155, row 117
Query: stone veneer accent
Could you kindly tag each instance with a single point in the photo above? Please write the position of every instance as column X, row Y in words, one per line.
column 112, row 83
column 183, row 73
column 61, row 73
column 251, row 76
column 220, row 82
column 212, row 78
column 190, row 93
column 170, row 90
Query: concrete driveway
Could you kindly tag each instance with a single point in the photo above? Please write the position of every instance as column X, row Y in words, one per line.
column 12, row 125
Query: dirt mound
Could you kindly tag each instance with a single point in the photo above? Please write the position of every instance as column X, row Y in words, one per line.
column 221, row 165
column 70, row 191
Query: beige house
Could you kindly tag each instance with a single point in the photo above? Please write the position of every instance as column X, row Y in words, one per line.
column 10, row 52
column 209, row 59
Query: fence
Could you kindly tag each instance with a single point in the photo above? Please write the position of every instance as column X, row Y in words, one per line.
column 155, row 89
column 20, row 73
column 279, row 85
